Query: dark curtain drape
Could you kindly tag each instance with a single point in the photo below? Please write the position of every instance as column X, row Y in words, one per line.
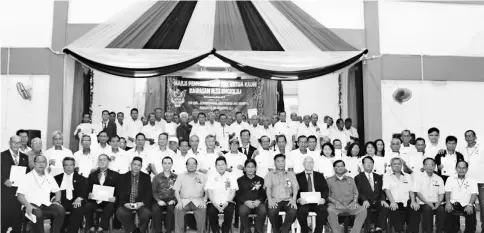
column 269, row 97
column 280, row 97
column 155, row 94
column 80, row 102
column 355, row 99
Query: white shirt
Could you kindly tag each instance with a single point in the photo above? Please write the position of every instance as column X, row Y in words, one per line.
column 236, row 128
column 179, row 163
column 27, row 150
column 153, row 132
column 120, row 161
column 156, row 155
column 267, row 132
column 448, row 162
column 408, row 150
column 351, row 164
column 429, row 186
column 193, row 123
column 207, row 160
column 378, row 165
column 461, row 190
column 143, row 155
column 399, row 188
column 57, row 155
column 432, row 150
column 170, row 129
column 221, row 185
column 352, row 132
column 222, row 135
column 335, row 133
column 303, row 130
column 389, row 156
column 469, row 152
column 37, row 188
column 295, row 160
column 476, row 163
column 233, row 161
column 133, row 128
column 85, row 163
column 202, row 131
column 67, row 182
column 161, row 124
column 122, row 130
column 324, row 165
column 415, row 162
column 255, row 134
column 97, row 149
column 265, row 161
column 285, row 129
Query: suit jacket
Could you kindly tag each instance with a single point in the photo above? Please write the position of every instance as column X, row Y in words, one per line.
column 111, row 129
column 438, row 159
column 123, row 189
column 250, row 152
column 364, row 188
column 320, row 184
column 111, row 179
column 79, row 184
column 7, row 162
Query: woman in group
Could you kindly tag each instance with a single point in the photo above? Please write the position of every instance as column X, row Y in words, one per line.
column 351, row 160
column 325, row 163
column 380, row 148
column 370, row 151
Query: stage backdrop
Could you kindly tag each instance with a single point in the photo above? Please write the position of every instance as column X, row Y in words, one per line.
column 227, row 95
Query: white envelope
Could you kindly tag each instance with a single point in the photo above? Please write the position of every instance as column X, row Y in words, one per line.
column 311, row 197
column 102, row 193
column 17, row 173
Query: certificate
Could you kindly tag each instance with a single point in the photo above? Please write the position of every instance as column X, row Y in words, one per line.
column 16, row 174
column 311, row 197
column 102, row 193
column 54, row 171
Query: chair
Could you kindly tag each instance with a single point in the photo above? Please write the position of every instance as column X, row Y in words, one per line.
column 251, row 216
column 346, row 224
column 99, row 211
column 283, row 214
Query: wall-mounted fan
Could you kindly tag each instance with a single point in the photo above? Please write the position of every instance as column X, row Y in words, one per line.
column 402, row 95
column 23, row 91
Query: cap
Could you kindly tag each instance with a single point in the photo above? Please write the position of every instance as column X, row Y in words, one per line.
column 173, row 139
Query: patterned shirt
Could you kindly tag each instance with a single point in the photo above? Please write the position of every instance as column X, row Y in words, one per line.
column 343, row 190
column 281, row 185
column 163, row 187
column 134, row 187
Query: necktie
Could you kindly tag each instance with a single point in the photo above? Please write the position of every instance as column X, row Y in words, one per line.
column 104, row 125
column 69, row 188
column 310, row 183
column 245, row 151
column 102, row 178
column 370, row 179
column 15, row 160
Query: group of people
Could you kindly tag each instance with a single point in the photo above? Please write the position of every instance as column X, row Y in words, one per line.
column 266, row 167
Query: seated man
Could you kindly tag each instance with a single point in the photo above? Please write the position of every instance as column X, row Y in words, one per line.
column 430, row 190
column 73, row 191
column 251, row 197
column 190, row 196
column 398, row 189
column 105, row 177
column 34, row 193
column 371, row 194
column 164, row 196
column 343, row 198
column 311, row 181
column 281, row 189
column 460, row 195
column 134, row 194
column 221, row 187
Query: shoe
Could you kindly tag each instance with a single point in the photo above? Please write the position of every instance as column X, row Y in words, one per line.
column 378, row 231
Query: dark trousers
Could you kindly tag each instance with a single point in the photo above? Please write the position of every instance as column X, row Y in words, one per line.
column 398, row 216
column 453, row 219
column 158, row 218
column 213, row 212
column 428, row 218
column 11, row 210
column 126, row 217
column 379, row 218
column 273, row 214
column 481, row 203
column 108, row 211
column 244, row 212
column 73, row 221
column 321, row 218
column 53, row 211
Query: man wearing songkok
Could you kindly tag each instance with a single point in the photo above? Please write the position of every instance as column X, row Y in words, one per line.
column 281, row 189
column 430, row 190
column 190, row 196
column 263, row 157
column 103, row 176
column 152, row 131
column 85, row 158
column 251, row 197
column 246, row 148
column 223, row 133
column 343, row 198
column 350, row 130
column 34, row 193
column 156, row 155
column 102, row 146
column 73, row 195
column 134, row 126
column 221, row 187
column 159, row 121
column 312, row 182
column 57, row 152
column 24, row 140
column 296, row 157
column 235, row 159
column 237, row 127
column 164, row 196
column 140, row 151
column 460, row 196
column 398, row 189
column 11, row 214
column 447, row 160
column 119, row 157
column 134, row 194
column 371, row 195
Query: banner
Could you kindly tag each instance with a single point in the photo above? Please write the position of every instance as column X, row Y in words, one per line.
column 227, row 95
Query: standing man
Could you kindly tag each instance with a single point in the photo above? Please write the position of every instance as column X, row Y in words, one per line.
column 296, row 157
column 140, row 151
column 371, row 194
column 251, row 197
column 155, row 157
column 57, row 152
column 24, row 140
column 121, row 126
column 430, row 191
column 134, row 126
column 282, row 127
column 84, row 128
column 151, row 131
column 34, row 193
column 201, row 129
column 434, row 147
column 255, row 131
column 351, row 131
column 164, row 196
column 246, row 148
column 160, row 122
column 107, row 125
column 102, row 147
column 86, row 160
column 343, row 198
column 447, row 160
column 195, row 114
column 73, row 195
column 339, row 133
column 119, row 157
column 184, row 129
column 239, row 125
column 170, row 126
column 222, row 134
column 312, row 181
column 134, row 194
column 407, row 148
column 281, row 189
column 11, row 213
column 221, row 188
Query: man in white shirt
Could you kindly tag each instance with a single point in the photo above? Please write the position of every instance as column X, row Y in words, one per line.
column 263, row 157
column 134, row 126
column 86, row 161
column 282, row 127
column 212, row 123
column 57, row 153
column 170, row 126
column 84, row 128
column 121, row 126
column 140, row 151
column 221, row 187
column 195, row 149
column 351, row 131
column 195, row 113
column 267, row 130
column 152, row 130
column 460, row 195
column 222, row 133
column 235, row 159
column 446, row 161
column 430, row 190
column 407, row 148
column 159, row 121
column 395, row 146
column 296, row 157
column 102, row 147
column 306, row 129
column 255, row 130
column 398, row 188
column 207, row 157
column 415, row 159
column 34, row 193
column 180, row 158
column 238, row 125
column 202, row 129
column 339, row 133
column 156, row 155
column 120, row 161
column 434, row 147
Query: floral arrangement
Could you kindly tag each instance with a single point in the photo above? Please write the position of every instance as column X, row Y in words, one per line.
column 171, row 183
column 197, row 180
column 256, row 185
column 227, row 183
column 288, row 183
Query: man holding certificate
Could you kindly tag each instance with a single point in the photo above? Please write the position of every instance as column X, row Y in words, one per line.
column 313, row 192
column 100, row 185
column 14, row 166
column 134, row 194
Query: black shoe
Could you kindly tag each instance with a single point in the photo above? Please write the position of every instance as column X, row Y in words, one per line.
column 378, row 231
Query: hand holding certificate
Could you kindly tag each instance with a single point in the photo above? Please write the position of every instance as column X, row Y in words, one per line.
column 311, row 197
column 102, row 193
column 16, row 174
